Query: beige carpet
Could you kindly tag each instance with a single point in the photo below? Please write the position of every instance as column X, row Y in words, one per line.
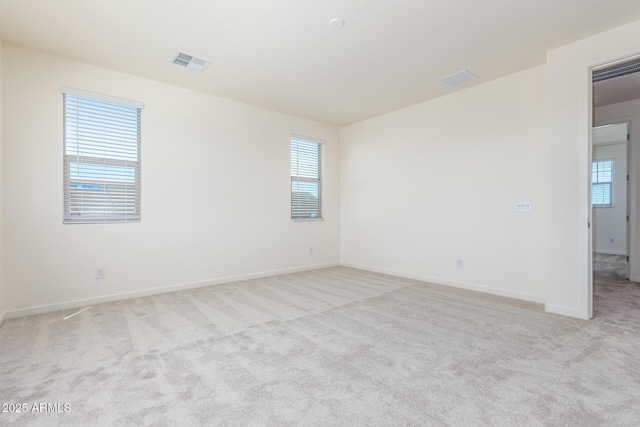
column 330, row 347
column 610, row 264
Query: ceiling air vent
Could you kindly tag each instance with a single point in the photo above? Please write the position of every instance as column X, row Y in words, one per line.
column 191, row 62
column 458, row 78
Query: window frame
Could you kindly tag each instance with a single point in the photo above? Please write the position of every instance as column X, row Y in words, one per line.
column 71, row 159
column 608, row 184
column 319, row 180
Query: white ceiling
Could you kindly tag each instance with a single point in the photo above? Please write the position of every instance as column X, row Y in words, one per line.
column 282, row 54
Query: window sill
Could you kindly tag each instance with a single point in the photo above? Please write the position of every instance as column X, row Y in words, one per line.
column 131, row 221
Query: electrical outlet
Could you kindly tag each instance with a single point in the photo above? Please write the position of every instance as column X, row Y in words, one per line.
column 100, row 273
column 522, row 207
column 459, row 263
column 311, row 251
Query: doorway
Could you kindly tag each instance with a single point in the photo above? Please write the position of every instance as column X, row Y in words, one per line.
column 614, row 178
column 610, row 200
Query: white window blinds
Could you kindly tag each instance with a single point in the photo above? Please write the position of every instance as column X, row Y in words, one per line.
column 601, row 178
column 101, row 160
column 306, row 178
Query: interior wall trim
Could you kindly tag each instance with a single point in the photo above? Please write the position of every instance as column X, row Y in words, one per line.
column 82, row 303
column 540, row 299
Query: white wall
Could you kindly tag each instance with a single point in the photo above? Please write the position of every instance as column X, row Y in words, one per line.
column 215, row 191
column 568, row 132
column 3, row 298
column 427, row 185
column 610, row 222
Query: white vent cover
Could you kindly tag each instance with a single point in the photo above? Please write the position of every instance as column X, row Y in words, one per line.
column 458, row 78
column 191, row 62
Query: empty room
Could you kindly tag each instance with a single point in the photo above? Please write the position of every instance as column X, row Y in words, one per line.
column 241, row 212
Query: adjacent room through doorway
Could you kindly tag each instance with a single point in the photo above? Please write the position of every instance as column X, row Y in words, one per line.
column 616, row 113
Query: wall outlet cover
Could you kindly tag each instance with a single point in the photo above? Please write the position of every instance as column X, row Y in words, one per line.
column 522, row 207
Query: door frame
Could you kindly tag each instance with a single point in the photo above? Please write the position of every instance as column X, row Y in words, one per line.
column 632, row 166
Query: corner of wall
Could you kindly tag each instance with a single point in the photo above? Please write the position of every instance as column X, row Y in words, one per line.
column 568, row 132
column 564, row 311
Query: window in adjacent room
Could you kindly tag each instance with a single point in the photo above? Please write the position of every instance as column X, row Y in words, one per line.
column 601, row 177
column 101, row 158
column 306, row 178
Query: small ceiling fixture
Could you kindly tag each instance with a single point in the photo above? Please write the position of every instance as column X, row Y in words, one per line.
column 336, row 23
column 191, row 62
column 458, row 78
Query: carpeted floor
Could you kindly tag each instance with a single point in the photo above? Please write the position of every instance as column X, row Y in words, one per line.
column 610, row 265
column 329, row 347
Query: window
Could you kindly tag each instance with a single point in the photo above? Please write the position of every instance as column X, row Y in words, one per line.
column 101, row 158
column 601, row 175
column 306, row 178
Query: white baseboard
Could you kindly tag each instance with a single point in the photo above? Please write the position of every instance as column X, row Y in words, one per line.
column 32, row 311
column 610, row 252
column 456, row 284
column 565, row 311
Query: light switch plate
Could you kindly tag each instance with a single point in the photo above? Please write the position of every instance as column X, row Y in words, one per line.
column 523, row 207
